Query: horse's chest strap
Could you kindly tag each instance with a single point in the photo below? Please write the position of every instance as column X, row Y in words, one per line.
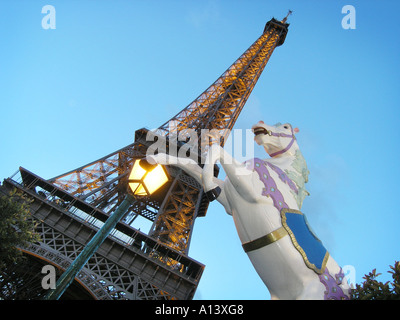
column 265, row 240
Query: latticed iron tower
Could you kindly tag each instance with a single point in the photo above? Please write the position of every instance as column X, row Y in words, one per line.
column 130, row 264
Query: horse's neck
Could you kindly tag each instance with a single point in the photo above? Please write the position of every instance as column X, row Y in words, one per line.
column 294, row 165
column 285, row 163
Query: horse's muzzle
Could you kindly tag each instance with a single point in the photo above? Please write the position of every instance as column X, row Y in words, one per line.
column 261, row 130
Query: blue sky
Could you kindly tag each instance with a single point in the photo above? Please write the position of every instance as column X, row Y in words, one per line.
column 74, row 94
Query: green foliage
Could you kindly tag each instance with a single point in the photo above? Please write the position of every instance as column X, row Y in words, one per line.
column 17, row 228
column 372, row 289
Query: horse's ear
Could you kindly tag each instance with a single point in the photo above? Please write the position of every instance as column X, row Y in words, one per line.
column 296, row 130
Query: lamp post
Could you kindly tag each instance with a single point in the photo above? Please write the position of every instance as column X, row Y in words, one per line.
column 144, row 179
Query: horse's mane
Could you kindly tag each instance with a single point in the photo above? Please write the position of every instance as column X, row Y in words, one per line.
column 299, row 176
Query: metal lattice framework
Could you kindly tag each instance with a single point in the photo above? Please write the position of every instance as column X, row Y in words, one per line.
column 96, row 189
column 128, row 265
column 103, row 182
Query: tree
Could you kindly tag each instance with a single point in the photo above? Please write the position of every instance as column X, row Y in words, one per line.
column 372, row 289
column 17, row 228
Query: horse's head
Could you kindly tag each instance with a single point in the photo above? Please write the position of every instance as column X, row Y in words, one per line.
column 277, row 139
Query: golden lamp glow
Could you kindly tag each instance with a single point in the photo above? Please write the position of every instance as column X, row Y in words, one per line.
column 146, row 178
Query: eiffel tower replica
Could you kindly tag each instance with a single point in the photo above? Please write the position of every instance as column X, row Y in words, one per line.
column 131, row 264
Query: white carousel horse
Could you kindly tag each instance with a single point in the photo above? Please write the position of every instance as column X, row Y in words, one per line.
column 264, row 198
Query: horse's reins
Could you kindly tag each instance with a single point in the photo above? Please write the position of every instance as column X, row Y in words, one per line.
column 285, row 136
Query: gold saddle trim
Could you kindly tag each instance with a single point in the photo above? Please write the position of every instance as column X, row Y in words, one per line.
column 265, row 240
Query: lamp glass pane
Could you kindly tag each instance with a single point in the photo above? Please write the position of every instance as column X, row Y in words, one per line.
column 155, row 179
column 137, row 188
column 137, row 172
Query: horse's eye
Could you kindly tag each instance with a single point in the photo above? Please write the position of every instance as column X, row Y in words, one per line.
column 286, row 127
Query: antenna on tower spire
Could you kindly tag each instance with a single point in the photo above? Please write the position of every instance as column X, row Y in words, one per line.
column 285, row 18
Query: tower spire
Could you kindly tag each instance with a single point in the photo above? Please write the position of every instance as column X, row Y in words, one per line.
column 287, row 16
